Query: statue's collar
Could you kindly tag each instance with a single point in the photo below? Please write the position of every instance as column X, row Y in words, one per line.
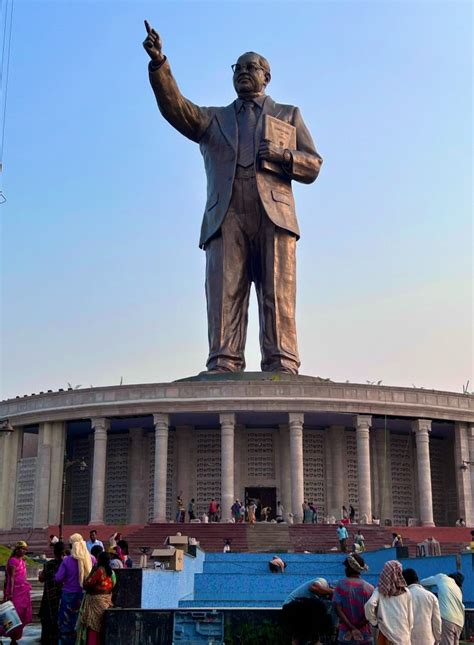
column 258, row 100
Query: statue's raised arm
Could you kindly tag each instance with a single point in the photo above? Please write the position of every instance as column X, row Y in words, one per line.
column 183, row 114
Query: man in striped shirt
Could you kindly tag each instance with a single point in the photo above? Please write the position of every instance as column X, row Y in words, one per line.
column 349, row 597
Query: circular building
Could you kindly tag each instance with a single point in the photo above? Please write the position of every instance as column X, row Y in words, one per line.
column 124, row 453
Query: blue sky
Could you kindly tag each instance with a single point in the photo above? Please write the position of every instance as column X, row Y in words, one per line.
column 102, row 277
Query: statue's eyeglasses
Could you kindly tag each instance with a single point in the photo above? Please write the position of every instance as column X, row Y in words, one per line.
column 249, row 67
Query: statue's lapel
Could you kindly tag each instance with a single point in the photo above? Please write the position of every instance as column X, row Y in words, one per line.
column 267, row 108
column 228, row 123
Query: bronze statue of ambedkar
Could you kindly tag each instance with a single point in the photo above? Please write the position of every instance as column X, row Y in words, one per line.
column 249, row 229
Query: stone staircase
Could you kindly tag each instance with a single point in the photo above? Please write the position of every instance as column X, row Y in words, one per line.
column 211, row 537
column 321, row 538
column 37, row 539
column 36, row 595
column 259, row 537
column 265, row 538
column 452, row 539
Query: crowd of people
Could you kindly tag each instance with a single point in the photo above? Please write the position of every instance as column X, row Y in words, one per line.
column 77, row 588
column 251, row 511
column 400, row 610
column 358, row 540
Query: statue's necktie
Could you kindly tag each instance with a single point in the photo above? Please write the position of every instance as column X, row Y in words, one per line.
column 247, row 123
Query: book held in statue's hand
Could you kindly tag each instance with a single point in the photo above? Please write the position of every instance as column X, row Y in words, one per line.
column 281, row 134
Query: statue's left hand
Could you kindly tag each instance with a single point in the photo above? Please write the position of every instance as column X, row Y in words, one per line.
column 269, row 151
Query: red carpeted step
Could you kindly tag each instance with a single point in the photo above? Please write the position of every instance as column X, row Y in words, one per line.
column 303, row 537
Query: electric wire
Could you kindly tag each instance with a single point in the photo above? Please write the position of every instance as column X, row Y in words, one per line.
column 6, row 13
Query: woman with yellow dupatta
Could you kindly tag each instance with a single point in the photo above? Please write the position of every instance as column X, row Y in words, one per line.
column 72, row 572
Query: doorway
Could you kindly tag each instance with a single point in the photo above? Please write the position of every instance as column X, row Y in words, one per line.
column 267, row 497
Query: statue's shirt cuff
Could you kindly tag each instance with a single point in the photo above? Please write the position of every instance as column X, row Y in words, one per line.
column 153, row 66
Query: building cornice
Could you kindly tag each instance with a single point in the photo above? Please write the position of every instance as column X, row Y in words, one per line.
column 297, row 394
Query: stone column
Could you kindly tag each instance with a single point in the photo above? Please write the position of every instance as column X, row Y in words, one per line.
column 285, row 470
column 296, row 421
column 227, row 422
column 58, row 449
column 422, row 429
column 363, row 423
column 161, row 422
column 382, row 449
column 138, row 506
column 43, row 474
column 240, row 460
column 376, row 487
column 100, row 427
column 323, row 514
column 336, row 485
column 470, row 435
column 185, row 458
column 10, row 453
column 463, row 474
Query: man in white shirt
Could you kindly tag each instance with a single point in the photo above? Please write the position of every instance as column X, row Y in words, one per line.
column 93, row 541
column 427, row 626
column 390, row 606
column 450, row 604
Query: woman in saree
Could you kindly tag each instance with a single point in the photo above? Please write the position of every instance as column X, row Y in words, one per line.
column 72, row 572
column 17, row 589
column 49, row 609
column 98, row 598
column 251, row 508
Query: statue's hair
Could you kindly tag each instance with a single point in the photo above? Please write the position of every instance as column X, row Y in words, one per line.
column 261, row 60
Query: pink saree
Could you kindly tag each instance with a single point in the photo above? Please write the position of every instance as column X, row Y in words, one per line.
column 21, row 596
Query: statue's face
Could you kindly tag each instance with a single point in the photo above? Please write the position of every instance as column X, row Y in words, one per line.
column 250, row 79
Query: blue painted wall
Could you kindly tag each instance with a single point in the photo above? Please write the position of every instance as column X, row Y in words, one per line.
column 164, row 589
column 243, row 579
column 274, row 587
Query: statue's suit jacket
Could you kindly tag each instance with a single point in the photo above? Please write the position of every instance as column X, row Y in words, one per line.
column 216, row 131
